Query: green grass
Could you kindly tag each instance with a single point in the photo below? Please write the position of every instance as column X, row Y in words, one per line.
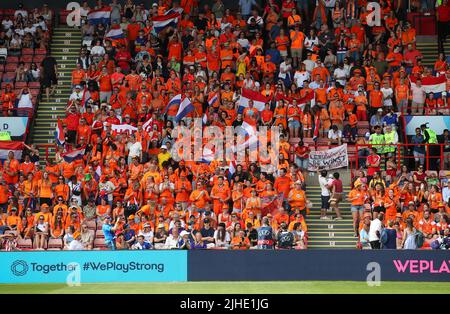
column 286, row 287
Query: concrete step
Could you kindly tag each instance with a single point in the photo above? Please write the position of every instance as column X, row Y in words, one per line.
column 336, row 247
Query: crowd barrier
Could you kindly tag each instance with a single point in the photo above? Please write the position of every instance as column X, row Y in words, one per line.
column 216, row 265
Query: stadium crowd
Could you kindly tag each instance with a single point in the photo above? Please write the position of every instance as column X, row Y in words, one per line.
column 24, row 41
column 325, row 73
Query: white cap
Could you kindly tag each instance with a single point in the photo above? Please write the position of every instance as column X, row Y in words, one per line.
column 163, row 147
column 183, row 233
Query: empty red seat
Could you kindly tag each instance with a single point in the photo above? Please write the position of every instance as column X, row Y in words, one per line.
column 26, row 58
column 11, row 67
column 55, row 243
column 25, row 244
column 21, row 84
column 34, row 85
column 99, row 234
column 27, row 51
column 2, row 68
column 12, row 59
column 34, row 92
column 9, row 12
column 99, row 243
column 63, row 16
column 40, row 51
column 38, row 58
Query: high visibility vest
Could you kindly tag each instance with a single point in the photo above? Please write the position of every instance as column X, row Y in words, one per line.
column 432, row 137
column 377, row 139
column 5, row 136
column 389, row 138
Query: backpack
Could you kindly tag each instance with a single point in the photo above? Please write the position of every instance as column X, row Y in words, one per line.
column 420, row 239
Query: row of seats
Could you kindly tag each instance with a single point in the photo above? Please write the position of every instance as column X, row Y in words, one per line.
column 58, row 244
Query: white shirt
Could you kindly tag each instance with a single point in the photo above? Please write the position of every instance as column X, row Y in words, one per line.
column 148, row 236
column 418, row 94
column 76, row 96
column 7, row 24
column 300, row 77
column 171, row 242
column 323, row 186
column 76, row 245
column 108, row 187
column 258, row 19
column 25, row 101
column 445, row 194
column 284, row 69
column 311, row 42
column 334, row 135
column 309, row 65
column 387, row 92
column 375, row 226
column 24, row 13
column 135, row 149
column 339, row 73
column 98, row 50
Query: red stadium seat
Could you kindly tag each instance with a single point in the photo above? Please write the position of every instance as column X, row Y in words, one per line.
column 2, row 68
column 27, row 51
column 34, row 85
column 99, row 234
column 40, row 51
column 34, row 92
column 63, row 16
column 99, row 243
column 9, row 77
column 55, row 243
column 26, row 58
column 9, row 12
column 11, row 67
column 21, row 84
column 12, row 59
column 38, row 58
column 24, row 244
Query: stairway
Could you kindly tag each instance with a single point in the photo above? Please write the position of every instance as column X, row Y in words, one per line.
column 429, row 50
column 65, row 46
column 329, row 234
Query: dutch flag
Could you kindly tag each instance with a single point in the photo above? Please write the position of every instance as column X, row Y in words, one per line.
column 231, row 169
column 176, row 100
column 208, row 154
column 59, row 134
column 259, row 101
column 435, row 85
column 115, row 33
column 162, row 21
column 98, row 173
column 74, row 155
column 100, row 16
column 213, row 100
column 122, row 128
column 185, row 107
column 174, row 10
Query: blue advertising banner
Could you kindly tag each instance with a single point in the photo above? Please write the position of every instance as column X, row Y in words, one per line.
column 353, row 265
column 93, row 266
column 437, row 123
